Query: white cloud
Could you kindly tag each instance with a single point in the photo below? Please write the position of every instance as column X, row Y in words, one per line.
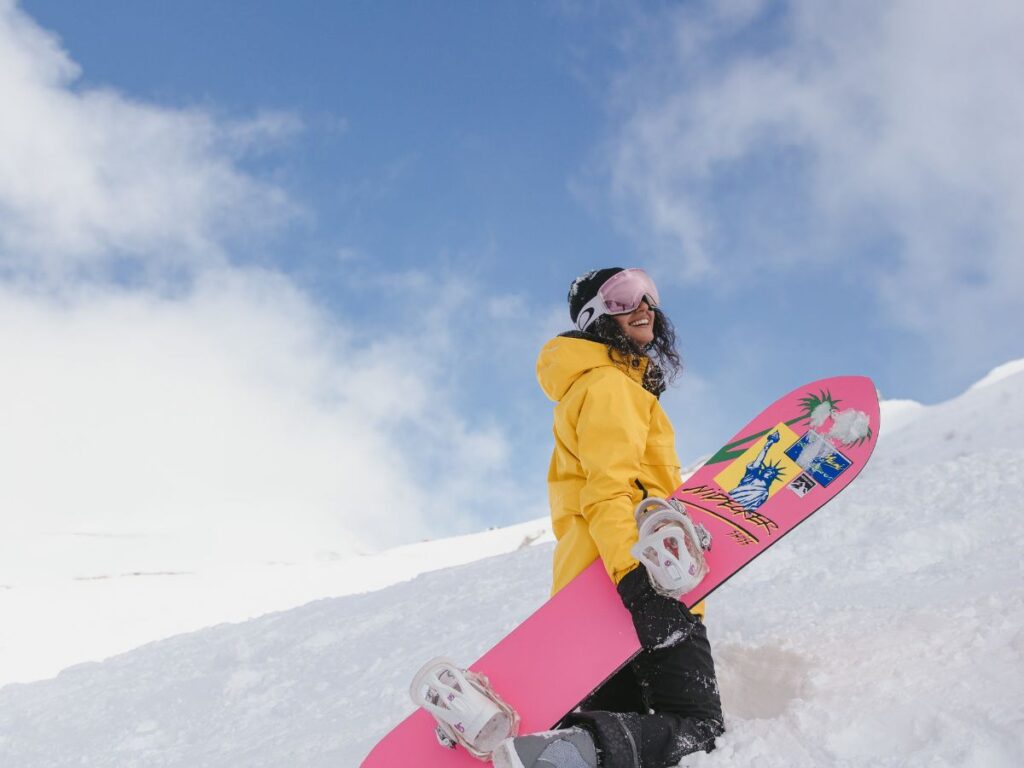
column 886, row 134
column 88, row 176
column 208, row 412
column 236, row 421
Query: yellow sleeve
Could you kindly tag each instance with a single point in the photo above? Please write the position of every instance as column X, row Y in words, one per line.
column 612, row 433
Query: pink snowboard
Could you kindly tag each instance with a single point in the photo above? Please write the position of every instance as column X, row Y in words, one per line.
column 783, row 466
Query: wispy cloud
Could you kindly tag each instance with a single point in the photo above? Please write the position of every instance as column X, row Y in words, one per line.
column 755, row 137
column 89, row 177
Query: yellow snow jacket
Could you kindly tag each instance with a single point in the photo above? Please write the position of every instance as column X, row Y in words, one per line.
column 614, row 445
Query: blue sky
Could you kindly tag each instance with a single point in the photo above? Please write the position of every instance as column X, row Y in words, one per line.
column 389, row 200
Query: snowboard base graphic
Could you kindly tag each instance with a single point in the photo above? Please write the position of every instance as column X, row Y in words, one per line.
column 798, row 454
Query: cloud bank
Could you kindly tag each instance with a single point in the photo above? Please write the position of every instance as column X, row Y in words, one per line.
column 161, row 387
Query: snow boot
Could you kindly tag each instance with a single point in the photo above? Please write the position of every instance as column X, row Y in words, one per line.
column 567, row 748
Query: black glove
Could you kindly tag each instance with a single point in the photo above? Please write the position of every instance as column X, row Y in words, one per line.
column 660, row 621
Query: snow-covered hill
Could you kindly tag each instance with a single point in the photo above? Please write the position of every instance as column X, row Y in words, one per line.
column 77, row 613
column 886, row 631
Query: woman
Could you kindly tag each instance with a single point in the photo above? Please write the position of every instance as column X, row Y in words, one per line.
column 614, row 447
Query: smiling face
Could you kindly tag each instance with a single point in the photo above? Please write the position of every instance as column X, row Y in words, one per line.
column 638, row 325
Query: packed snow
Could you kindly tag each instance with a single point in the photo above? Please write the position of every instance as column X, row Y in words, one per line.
column 886, row 631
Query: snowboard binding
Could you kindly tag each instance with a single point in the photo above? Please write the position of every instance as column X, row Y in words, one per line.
column 671, row 546
column 467, row 710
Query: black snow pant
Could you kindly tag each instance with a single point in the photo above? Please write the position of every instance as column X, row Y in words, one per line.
column 661, row 706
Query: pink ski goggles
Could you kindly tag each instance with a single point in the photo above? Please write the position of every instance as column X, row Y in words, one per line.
column 619, row 295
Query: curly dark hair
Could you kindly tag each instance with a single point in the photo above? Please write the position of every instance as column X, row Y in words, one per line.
column 665, row 363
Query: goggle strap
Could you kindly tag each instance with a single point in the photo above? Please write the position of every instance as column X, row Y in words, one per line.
column 592, row 310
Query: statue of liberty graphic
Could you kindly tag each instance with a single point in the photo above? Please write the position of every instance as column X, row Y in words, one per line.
column 752, row 490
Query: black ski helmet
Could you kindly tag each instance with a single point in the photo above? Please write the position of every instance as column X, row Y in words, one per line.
column 585, row 287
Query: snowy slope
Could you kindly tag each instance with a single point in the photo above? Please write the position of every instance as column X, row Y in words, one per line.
column 111, row 594
column 886, row 631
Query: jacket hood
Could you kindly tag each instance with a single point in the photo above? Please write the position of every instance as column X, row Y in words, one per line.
column 565, row 358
